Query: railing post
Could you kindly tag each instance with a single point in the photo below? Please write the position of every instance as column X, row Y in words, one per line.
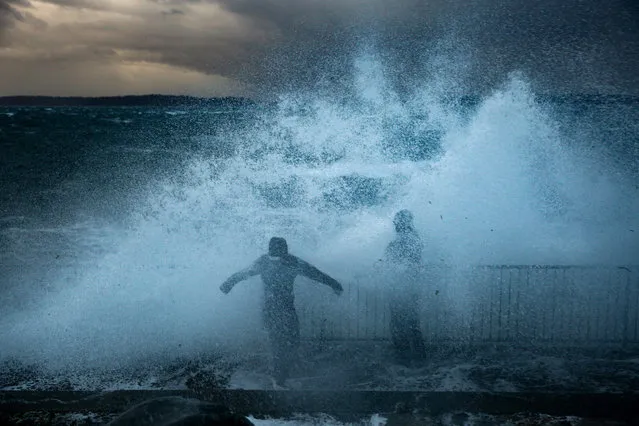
column 636, row 337
column 501, row 297
column 626, row 308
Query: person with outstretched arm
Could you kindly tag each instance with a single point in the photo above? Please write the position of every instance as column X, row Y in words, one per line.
column 278, row 270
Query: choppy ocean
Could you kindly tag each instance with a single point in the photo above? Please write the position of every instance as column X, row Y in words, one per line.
column 117, row 225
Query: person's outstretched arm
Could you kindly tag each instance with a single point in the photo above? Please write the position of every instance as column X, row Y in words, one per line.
column 310, row 271
column 242, row 275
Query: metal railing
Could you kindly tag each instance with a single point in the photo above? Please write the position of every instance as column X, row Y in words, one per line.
column 527, row 304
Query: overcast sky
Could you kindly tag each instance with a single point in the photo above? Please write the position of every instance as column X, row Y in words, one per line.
column 249, row 47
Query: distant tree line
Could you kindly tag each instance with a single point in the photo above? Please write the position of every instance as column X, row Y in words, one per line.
column 133, row 100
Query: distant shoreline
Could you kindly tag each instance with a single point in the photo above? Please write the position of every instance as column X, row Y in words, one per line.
column 192, row 101
column 132, row 100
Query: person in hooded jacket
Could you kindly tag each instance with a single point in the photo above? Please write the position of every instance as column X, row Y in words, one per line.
column 404, row 254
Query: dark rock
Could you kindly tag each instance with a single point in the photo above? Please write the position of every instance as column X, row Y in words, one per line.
column 174, row 411
column 211, row 420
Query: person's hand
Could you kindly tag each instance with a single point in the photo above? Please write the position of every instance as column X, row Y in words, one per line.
column 338, row 290
column 225, row 288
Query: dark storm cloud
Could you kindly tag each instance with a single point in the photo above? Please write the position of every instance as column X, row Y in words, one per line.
column 80, row 4
column 173, row 12
column 10, row 14
column 177, row 2
column 273, row 45
column 571, row 45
